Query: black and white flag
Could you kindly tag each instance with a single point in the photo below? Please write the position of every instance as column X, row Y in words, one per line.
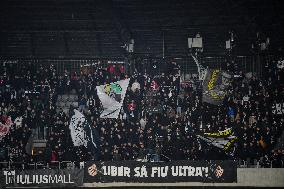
column 201, row 70
column 215, row 86
column 221, row 139
column 111, row 96
column 83, row 134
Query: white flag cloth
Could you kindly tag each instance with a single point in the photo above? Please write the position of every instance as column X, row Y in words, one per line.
column 77, row 129
column 112, row 95
column 201, row 70
column 83, row 134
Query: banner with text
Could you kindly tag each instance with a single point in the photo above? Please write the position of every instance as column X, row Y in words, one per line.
column 42, row 178
column 167, row 172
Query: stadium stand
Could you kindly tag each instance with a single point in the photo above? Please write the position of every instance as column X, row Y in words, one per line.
column 171, row 133
column 54, row 55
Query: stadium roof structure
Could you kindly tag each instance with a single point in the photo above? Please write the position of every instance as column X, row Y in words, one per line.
column 87, row 28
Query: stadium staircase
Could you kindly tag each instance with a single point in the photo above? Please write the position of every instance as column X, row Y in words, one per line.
column 66, row 100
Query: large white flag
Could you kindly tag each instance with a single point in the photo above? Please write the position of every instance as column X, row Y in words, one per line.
column 77, row 129
column 112, row 96
column 83, row 134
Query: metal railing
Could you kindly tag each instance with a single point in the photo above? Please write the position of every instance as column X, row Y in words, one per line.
column 40, row 165
column 261, row 164
column 250, row 63
column 80, row 165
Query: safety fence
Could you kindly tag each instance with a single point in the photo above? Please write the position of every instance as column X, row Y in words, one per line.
column 186, row 63
column 135, row 173
column 124, row 171
column 80, row 165
column 60, row 65
column 41, row 165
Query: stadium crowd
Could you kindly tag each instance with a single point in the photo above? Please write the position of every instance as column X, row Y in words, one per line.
column 29, row 95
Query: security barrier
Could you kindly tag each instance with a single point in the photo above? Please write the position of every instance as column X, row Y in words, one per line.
column 71, row 177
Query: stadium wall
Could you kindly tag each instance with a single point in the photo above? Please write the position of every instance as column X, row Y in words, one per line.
column 247, row 177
